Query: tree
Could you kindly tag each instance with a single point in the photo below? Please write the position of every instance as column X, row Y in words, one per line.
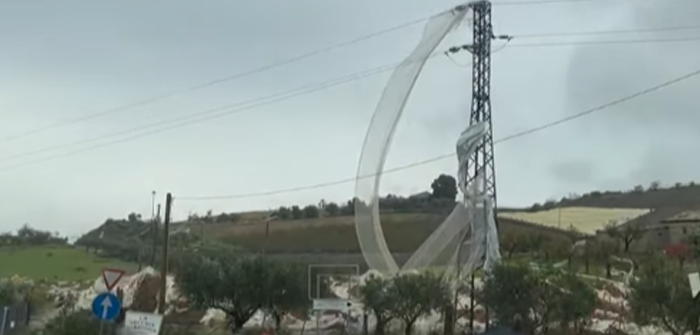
column 627, row 233
column 556, row 249
column 574, row 302
column 513, row 241
column 679, row 251
column 348, row 208
column 530, row 301
column 284, row 213
column 310, row 212
column 654, row 186
column 510, row 291
column 377, row 296
column 444, row 187
column 240, row 286
column 208, row 217
column 332, row 209
column 535, row 242
column 603, row 249
column 417, row 295
column 286, row 290
column 587, row 253
column 297, row 213
column 133, row 217
column 660, row 296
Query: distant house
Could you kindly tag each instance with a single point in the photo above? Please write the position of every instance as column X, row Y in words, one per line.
column 674, row 229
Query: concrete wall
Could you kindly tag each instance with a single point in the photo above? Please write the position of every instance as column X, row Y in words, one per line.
column 659, row 235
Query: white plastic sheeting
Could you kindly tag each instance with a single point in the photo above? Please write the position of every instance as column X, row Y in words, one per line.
column 474, row 215
column 379, row 136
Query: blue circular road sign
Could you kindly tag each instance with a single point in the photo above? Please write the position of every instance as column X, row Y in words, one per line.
column 106, row 306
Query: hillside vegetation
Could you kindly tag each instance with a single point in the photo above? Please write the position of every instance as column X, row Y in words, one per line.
column 679, row 195
column 327, row 227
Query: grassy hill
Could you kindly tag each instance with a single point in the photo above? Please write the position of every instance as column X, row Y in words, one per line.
column 404, row 231
column 677, row 196
column 59, row 263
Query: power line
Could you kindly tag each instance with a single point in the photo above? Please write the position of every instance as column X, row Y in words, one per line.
column 250, row 104
column 608, row 32
column 450, row 155
column 264, row 68
column 207, row 114
column 201, row 86
column 548, row 2
column 192, row 118
column 585, row 43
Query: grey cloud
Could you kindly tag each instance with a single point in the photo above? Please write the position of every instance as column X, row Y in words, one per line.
column 574, row 172
column 660, row 130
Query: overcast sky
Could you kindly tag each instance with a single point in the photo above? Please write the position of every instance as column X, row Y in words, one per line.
column 62, row 60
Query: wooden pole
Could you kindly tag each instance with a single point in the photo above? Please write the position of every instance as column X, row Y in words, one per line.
column 164, row 260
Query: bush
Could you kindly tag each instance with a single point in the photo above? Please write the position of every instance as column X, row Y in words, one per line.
column 79, row 323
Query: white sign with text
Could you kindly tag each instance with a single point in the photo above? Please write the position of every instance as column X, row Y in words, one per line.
column 139, row 323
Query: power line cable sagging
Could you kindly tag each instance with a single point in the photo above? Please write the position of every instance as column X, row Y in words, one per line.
column 197, row 87
column 451, row 155
column 235, row 108
column 214, row 82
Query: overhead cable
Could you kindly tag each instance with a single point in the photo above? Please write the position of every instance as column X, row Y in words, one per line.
column 451, row 155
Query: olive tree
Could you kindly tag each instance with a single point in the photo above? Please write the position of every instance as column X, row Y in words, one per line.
column 405, row 297
column 239, row 286
column 532, row 301
column 660, row 296
column 377, row 296
column 417, row 295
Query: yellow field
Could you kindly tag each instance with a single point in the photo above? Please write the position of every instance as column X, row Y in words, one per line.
column 585, row 220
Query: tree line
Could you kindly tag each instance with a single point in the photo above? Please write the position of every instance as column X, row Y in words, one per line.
column 443, row 196
column 28, row 236
column 527, row 299
column 652, row 196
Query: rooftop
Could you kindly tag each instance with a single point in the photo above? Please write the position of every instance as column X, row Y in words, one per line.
column 686, row 216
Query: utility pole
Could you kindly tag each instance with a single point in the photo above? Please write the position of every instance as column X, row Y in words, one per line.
column 164, row 260
column 267, row 232
column 483, row 159
column 154, row 250
column 153, row 205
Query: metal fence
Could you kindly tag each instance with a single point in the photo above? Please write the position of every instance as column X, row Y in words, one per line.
column 13, row 318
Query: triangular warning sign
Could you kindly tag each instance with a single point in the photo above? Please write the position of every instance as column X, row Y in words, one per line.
column 111, row 277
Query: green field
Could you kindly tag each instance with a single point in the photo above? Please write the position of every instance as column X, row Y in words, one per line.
column 404, row 232
column 57, row 263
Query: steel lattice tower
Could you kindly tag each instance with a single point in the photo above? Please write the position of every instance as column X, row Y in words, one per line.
column 483, row 159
